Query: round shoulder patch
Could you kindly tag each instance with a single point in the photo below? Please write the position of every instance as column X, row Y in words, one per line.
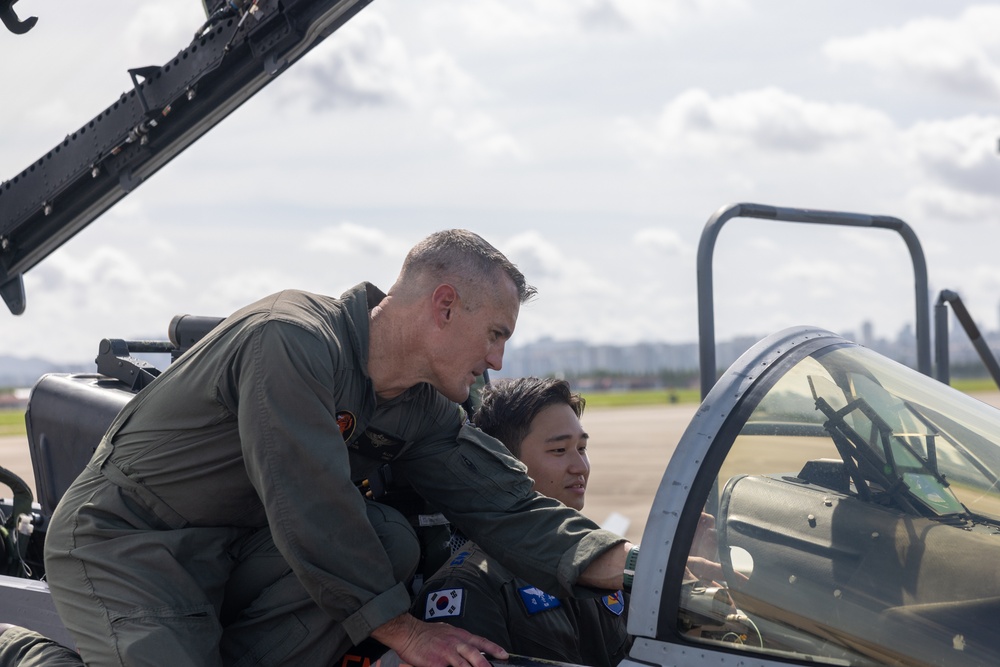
column 346, row 422
column 615, row 603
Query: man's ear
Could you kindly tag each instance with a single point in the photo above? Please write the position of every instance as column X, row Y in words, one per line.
column 444, row 300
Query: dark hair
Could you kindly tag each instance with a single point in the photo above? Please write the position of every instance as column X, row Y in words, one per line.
column 508, row 406
column 459, row 253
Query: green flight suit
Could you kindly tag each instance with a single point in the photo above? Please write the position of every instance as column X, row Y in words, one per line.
column 475, row 592
column 261, row 432
column 20, row 647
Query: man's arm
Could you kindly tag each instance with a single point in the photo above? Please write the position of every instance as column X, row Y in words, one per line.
column 436, row 644
column 485, row 492
column 287, row 421
column 606, row 570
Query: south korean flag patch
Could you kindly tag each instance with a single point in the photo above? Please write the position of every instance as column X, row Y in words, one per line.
column 444, row 603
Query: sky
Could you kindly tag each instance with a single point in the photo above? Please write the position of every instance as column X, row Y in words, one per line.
column 589, row 140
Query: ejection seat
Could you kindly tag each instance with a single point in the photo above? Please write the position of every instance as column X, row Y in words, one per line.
column 68, row 414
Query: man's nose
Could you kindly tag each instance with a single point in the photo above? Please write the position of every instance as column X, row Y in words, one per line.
column 495, row 357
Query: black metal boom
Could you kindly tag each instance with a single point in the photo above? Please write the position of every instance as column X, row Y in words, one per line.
column 241, row 48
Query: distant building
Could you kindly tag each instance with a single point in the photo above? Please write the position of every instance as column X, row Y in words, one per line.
column 576, row 358
column 579, row 359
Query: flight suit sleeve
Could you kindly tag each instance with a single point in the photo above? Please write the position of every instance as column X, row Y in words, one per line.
column 465, row 600
column 297, row 461
column 485, row 491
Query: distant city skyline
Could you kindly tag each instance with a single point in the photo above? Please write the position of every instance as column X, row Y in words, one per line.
column 577, row 358
column 549, row 356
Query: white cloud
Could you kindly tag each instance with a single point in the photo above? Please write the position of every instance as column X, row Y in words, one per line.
column 350, row 239
column 602, row 292
column 944, row 170
column 442, row 80
column 235, row 289
column 604, row 16
column 524, row 21
column 662, row 240
column 656, row 15
column 388, row 125
column 481, row 134
column 759, row 244
column 569, row 287
column 768, row 119
column 159, row 29
column 365, row 65
column 497, row 21
column 544, row 262
column 77, row 299
column 945, row 204
column 810, row 284
column 961, row 151
column 106, row 269
column 955, row 55
column 162, row 247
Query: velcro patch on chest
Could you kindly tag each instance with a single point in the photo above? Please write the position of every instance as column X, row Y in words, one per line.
column 615, row 603
column 377, row 445
column 444, row 603
column 535, row 600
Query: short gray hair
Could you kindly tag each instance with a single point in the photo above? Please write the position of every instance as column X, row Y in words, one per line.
column 463, row 254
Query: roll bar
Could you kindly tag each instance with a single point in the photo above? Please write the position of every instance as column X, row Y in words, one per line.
column 706, row 247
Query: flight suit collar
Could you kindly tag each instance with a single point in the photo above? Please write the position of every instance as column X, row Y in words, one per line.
column 357, row 304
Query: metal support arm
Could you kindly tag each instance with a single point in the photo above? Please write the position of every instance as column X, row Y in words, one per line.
column 706, row 247
column 941, row 338
column 230, row 59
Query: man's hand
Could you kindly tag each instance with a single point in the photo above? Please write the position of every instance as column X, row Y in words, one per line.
column 706, row 540
column 436, row 644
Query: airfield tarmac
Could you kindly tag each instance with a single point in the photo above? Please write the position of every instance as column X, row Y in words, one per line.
column 629, row 450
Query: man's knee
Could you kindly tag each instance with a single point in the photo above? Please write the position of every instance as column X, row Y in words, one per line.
column 19, row 646
column 398, row 539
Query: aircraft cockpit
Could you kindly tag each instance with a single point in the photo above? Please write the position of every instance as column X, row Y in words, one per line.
column 841, row 508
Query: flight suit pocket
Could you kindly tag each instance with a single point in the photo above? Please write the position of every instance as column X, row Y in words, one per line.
column 276, row 644
column 166, row 635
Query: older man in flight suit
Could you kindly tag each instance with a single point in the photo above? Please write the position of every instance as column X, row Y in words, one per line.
column 539, row 421
column 232, row 477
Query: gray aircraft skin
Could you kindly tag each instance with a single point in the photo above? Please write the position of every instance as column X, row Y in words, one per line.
column 825, row 506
